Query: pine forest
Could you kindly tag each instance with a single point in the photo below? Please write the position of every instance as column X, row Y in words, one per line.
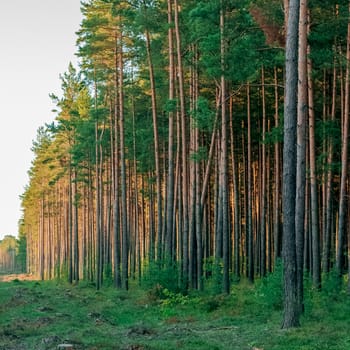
column 196, row 145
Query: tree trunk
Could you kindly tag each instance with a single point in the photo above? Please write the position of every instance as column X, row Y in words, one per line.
column 236, row 207
column 276, row 212
column 316, row 264
column 124, row 212
column 291, row 308
column 263, row 182
column 169, row 249
column 223, row 165
column 328, row 185
column 156, row 147
column 344, row 164
column 185, row 211
column 116, row 206
column 76, row 227
column 249, row 232
column 301, row 149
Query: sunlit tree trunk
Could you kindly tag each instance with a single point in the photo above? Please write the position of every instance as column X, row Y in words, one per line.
column 156, row 146
column 277, row 195
column 124, row 213
column 263, row 182
column 301, row 149
column 249, row 231
column 41, row 240
column 185, row 210
column 76, row 227
column 116, row 179
column 169, row 248
column 70, row 226
column 223, row 163
column 236, row 205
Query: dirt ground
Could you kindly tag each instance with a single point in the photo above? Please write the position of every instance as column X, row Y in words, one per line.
column 21, row 277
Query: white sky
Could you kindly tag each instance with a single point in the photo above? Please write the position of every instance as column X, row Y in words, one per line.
column 37, row 42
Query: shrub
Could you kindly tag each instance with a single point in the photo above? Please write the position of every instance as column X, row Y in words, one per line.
column 269, row 289
column 161, row 275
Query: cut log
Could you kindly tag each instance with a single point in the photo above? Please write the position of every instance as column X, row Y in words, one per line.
column 65, row 346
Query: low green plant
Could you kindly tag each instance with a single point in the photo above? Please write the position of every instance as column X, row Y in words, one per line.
column 268, row 290
column 213, row 275
column 41, row 315
column 161, row 275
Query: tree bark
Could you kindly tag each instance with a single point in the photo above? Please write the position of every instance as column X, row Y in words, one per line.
column 249, row 232
column 301, row 149
column 156, row 146
column 124, row 211
column 277, row 207
column 263, row 181
column 344, row 164
column 169, row 249
column 291, row 310
column 185, row 210
column 316, row 264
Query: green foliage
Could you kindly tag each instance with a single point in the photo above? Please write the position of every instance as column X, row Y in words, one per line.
column 170, row 298
column 213, row 272
column 202, row 154
column 272, row 11
column 269, row 289
column 329, row 29
column 275, row 135
column 108, row 275
column 240, row 36
column 159, row 276
column 13, row 254
column 42, row 315
column 213, row 303
column 333, row 286
column 171, row 105
column 21, row 258
column 203, row 116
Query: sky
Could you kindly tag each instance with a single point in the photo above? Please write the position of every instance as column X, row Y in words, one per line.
column 37, row 42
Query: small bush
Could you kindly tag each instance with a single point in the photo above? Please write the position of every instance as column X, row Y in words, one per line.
column 213, row 275
column 213, row 303
column 161, row 275
column 269, row 289
column 332, row 284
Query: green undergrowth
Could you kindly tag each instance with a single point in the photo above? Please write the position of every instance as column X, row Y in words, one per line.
column 42, row 315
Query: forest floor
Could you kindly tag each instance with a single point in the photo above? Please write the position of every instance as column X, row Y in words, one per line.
column 36, row 315
column 20, row 277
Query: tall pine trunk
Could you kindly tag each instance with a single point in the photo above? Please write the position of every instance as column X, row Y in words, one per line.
column 223, row 164
column 185, row 210
column 291, row 309
column 169, row 248
column 301, row 149
column 156, row 146
column 344, row 163
column 316, row 264
column 263, row 181
column 249, row 232
column 124, row 211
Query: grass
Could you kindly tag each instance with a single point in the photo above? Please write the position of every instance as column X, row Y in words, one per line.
column 41, row 315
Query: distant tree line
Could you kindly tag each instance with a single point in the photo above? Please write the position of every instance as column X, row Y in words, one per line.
column 194, row 139
column 12, row 254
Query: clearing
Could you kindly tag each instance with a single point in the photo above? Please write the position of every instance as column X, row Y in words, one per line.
column 36, row 315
